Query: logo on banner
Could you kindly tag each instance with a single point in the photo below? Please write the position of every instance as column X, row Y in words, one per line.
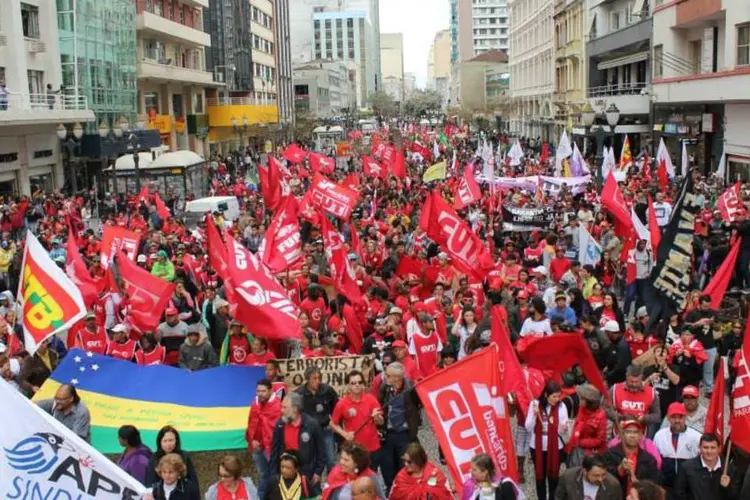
column 46, row 306
column 46, row 466
column 460, row 242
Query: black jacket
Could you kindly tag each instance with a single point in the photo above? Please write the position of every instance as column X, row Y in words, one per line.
column 695, row 482
column 645, row 466
column 311, row 448
column 152, row 477
column 185, row 490
column 411, row 405
column 618, row 360
column 319, row 405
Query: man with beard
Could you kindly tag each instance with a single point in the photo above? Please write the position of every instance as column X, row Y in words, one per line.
column 264, row 413
column 634, row 399
column 425, row 346
column 589, row 481
column 318, row 401
column 676, row 444
column 380, row 339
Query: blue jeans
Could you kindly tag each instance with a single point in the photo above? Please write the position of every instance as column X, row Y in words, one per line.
column 329, row 442
column 261, row 463
column 708, row 371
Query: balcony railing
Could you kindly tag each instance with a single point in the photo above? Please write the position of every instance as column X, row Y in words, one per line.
column 633, row 88
column 239, row 101
column 42, row 102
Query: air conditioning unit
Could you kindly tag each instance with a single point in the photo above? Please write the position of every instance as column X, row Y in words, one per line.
column 3, row 40
column 36, row 46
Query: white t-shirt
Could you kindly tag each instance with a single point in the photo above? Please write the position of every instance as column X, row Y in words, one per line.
column 590, row 490
column 531, row 328
column 168, row 489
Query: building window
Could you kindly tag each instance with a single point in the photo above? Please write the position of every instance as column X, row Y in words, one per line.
column 614, row 21
column 36, row 81
column 30, row 20
column 743, row 45
column 151, row 102
column 197, row 103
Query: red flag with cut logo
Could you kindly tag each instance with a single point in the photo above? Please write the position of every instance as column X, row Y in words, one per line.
column 353, row 329
column 715, row 414
column 146, row 295
column 50, row 301
column 469, row 415
column 161, row 208
column 662, row 174
column 372, row 168
column 217, row 258
column 322, row 163
column 294, row 153
column 79, row 274
column 336, row 200
column 342, row 274
column 399, row 164
column 653, row 227
column 263, row 305
column 308, row 211
column 729, row 203
column 282, row 245
column 467, row 190
column 614, row 202
column 423, row 151
column 116, row 240
column 718, row 285
column 511, row 373
column 739, row 418
column 443, row 225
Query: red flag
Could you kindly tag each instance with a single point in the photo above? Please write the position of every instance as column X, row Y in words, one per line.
column 468, row 414
column 559, row 353
column 351, row 181
column 142, row 196
column 336, row 200
column 342, row 274
column 372, row 168
column 662, row 173
column 322, row 163
column 308, row 211
column 294, row 153
column 356, row 244
column 646, row 168
column 116, row 240
column 263, row 305
column 443, row 225
column 217, row 258
column 545, row 153
column 715, row 414
column 423, row 151
column 718, row 285
column 729, row 203
column 399, row 164
column 282, row 245
column 389, row 155
column 147, row 296
column 653, row 227
column 161, row 209
column 76, row 270
column 739, row 419
column 614, row 202
column 467, row 190
column 511, row 373
column 272, row 184
column 353, row 328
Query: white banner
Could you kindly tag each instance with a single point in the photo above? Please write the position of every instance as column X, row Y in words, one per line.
column 41, row 458
column 576, row 185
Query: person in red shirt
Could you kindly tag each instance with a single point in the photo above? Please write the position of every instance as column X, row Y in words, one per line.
column 237, row 345
column 91, row 338
column 559, row 265
column 315, row 307
column 402, row 356
column 425, row 346
column 265, row 411
column 357, row 416
column 121, row 347
column 260, row 353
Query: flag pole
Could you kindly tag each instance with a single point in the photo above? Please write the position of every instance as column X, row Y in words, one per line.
column 726, row 457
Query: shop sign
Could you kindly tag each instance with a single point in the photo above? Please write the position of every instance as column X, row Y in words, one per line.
column 162, row 123
column 708, row 123
column 670, row 128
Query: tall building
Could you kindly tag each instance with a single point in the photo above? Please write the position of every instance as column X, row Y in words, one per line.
column 171, row 68
column 284, row 84
column 30, row 152
column 701, row 77
column 484, row 82
column 243, row 58
column 439, row 64
column 618, row 57
column 570, row 63
column 323, row 88
column 392, row 64
column 490, row 26
column 531, row 68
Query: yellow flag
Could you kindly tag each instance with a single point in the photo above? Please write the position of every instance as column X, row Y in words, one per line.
column 435, row 172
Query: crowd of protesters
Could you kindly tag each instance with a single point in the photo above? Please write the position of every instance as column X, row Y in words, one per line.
column 647, row 441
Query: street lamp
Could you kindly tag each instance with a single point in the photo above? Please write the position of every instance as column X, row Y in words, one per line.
column 241, row 131
column 612, row 115
column 70, row 141
column 588, row 118
column 122, row 126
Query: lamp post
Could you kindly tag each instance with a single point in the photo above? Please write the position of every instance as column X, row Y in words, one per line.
column 612, row 114
column 71, row 140
column 241, row 131
column 112, row 136
column 588, row 117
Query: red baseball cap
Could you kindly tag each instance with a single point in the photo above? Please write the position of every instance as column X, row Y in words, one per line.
column 523, row 294
column 398, row 344
column 676, row 409
column 690, row 391
column 171, row 311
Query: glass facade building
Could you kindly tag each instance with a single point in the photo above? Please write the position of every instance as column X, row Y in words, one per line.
column 98, row 56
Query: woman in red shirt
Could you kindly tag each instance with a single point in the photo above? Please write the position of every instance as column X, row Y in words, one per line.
column 260, row 353
column 231, row 484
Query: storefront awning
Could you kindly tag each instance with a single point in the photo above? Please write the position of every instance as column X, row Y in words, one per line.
column 622, row 61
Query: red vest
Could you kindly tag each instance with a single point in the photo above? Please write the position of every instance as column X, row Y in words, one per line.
column 124, row 351
column 426, row 349
column 278, row 387
column 93, row 342
column 155, row 357
column 635, row 404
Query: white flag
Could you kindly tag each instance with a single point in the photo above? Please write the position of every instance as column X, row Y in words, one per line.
column 563, row 148
column 640, row 228
column 663, row 154
column 589, row 251
column 515, row 154
column 435, row 151
column 685, row 160
column 41, row 458
column 722, row 170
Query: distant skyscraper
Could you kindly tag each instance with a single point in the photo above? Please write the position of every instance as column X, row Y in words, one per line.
column 392, row 64
column 285, row 87
column 439, row 64
column 489, row 25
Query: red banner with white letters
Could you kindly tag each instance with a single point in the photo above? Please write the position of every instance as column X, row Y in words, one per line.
column 729, row 203
column 443, row 225
column 336, row 200
column 469, row 414
column 116, row 240
column 739, row 418
column 282, row 246
column 467, row 191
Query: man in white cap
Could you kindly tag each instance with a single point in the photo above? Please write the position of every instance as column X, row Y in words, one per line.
column 618, row 356
column 122, row 346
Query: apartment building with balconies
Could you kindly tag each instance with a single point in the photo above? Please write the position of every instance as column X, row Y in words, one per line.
column 570, row 63
column 701, row 80
column 618, row 39
column 33, row 98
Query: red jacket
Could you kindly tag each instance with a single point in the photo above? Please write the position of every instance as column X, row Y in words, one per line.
column 590, row 431
column 262, row 420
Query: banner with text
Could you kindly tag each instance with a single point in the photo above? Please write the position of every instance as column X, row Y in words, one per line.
column 333, row 370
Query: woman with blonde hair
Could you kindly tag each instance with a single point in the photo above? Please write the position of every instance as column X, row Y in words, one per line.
column 173, row 483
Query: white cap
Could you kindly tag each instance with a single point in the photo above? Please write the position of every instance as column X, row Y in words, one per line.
column 141, row 258
column 120, row 328
column 612, row 326
column 540, row 270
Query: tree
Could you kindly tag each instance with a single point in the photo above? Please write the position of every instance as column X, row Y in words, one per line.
column 383, row 105
column 423, row 103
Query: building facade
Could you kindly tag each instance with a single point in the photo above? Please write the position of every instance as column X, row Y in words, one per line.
column 701, row 77
column 284, row 84
column 618, row 54
column 490, row 25
column 570, row 63
column 324, row 88
column 462, row 44
column 439, row 65
column 484, row 83
column 171, row 68
column 31, row 157
column 392, row 65
column 531, row 66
